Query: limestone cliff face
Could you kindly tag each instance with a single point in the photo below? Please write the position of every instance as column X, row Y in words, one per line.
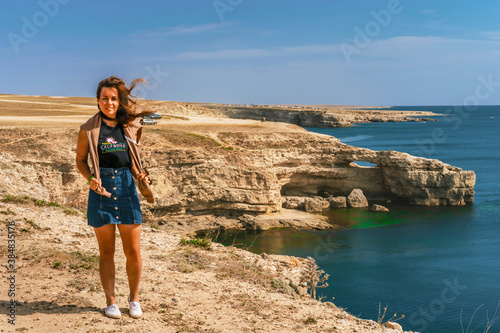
column 426, row 182
column 201, row 180
column 336, row 117
column 253, row 172
column 245, row 170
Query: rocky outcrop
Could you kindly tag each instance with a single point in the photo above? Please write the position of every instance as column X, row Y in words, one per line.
column 286, row 218
column 356, row 199
column 378, row 208
column 292, row 202
column 338, row 202
column 315, row 205
column 304, row 165
column 242, row 171
column 258, row 183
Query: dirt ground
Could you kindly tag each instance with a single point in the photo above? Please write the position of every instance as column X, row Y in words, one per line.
column 184, row 288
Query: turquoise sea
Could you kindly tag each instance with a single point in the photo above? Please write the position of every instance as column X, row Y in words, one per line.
column 439, row 266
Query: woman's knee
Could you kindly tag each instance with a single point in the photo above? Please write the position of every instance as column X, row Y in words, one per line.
column 132, row 253
column 107, row 253
column 131, row 238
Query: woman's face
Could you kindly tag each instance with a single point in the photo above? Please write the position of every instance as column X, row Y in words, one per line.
column 109, row 102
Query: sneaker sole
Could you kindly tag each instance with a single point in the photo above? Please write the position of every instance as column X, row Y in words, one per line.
column 114, row 317
column 139, row 316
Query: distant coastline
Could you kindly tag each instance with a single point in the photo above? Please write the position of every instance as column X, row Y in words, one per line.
column 320, row 115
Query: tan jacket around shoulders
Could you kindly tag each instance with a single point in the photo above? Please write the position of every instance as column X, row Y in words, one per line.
column 133, row 133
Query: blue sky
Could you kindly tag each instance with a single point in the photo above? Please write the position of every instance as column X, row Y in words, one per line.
column 388, row 52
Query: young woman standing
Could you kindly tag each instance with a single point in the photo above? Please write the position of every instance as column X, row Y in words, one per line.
column 111, row 139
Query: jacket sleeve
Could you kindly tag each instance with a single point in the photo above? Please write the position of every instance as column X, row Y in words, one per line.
column 133, row 135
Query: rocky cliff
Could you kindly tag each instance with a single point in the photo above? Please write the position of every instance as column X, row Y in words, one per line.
column 327, row 117
column 249, row 166
column 253, row 172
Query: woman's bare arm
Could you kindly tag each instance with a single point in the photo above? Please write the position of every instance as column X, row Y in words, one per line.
column 82, row 151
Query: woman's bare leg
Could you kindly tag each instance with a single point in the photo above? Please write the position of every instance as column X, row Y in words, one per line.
column 131, row 239
column 106, row 240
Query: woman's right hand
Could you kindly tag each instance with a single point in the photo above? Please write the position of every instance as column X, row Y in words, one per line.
column 94, row 183
column 82, row 152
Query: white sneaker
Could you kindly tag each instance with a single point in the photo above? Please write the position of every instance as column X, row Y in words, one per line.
column 134, row 308
column 113, row 311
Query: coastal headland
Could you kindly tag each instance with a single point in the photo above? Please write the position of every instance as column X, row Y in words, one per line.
column 226, row 172
column 319, row 115
column 211, row 170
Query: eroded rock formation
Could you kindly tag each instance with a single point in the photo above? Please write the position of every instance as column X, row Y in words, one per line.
column 260, row 169
column 227, row 168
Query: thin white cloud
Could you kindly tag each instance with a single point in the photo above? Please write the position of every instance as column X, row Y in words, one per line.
column 401, row 43
column 415, row 42
column 418, row 48
column 427, row 12
column 176, row 30
column 493, row 34
column 223, row 54
column 309, row 49
column 432, row 19
column 435, row 24
column 433, row 48
column 253, row 53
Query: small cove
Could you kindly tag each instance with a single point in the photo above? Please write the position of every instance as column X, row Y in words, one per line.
column 433, row 264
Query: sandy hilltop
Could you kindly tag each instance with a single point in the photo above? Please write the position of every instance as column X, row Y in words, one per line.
column 215, row 167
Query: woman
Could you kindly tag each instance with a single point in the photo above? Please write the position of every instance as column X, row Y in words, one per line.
column 111, row 138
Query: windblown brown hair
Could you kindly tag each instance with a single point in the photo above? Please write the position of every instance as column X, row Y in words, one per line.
column 127, row 111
